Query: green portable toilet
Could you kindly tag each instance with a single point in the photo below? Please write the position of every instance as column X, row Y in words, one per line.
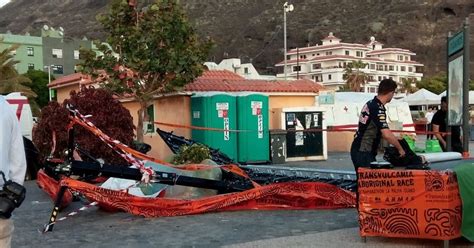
column 215, row 110
column 252, row 116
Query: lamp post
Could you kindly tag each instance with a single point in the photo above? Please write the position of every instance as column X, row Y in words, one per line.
column 286, row 8
column 49, row 81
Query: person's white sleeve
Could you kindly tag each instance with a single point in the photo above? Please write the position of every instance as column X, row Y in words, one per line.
column 17, row 155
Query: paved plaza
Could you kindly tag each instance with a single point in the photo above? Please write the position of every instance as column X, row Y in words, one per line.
column 283, row 228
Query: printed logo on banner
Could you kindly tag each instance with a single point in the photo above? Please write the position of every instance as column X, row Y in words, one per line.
column 226, row 127
column 434, row 181
column 260, row 126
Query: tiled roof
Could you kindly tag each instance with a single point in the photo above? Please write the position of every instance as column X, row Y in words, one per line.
column 70, row 79
column 220, row 74
column 232, row 83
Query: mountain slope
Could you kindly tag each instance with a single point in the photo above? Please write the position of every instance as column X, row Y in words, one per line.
column 253, row 30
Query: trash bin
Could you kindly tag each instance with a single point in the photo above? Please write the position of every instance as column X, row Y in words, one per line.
column 278, row 146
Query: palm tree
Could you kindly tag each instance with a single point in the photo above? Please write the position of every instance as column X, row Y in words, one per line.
column 10, row 80
column 407, row 85
column 354, row 76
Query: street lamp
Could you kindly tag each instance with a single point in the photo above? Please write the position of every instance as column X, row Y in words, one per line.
column 49, row 80
column 286, row 8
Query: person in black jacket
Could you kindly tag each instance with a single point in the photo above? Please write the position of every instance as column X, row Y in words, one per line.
column 439, row 125
column 373, row 127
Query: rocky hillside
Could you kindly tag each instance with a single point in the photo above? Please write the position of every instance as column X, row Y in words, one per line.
column 253, row 30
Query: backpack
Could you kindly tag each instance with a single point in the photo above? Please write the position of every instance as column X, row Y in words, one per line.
column 410, row 160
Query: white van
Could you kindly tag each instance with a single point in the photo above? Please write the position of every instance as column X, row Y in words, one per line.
column 21, row 107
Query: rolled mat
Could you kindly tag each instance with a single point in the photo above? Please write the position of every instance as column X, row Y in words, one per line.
column 441, row 156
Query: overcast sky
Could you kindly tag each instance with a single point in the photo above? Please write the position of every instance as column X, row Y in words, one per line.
column 3, row 2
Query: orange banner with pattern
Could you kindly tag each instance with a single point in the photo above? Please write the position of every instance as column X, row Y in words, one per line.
column 409, row 204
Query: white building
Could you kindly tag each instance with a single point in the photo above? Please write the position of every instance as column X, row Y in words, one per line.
column 246, row 70
column 326, row 63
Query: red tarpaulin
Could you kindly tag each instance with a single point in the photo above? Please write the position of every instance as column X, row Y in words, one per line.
column 307, row 195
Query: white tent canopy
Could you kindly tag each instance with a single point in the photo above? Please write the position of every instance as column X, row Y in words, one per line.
column 422, row 97
column 471, row 96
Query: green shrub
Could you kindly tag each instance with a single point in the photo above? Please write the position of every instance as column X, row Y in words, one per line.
column 192, row 154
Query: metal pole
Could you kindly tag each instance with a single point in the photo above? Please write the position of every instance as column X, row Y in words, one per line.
column 298, row 63
column 49, row 82
column 465, row 111
column 284, row 36
column 448, row 91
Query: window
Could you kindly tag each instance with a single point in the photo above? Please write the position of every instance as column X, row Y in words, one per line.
column 371, row 78
column 316, row 66
column 317, row 54
column 410, row 69
column 57, row 53
column 302, row 56
column 246, row 70
column 347, row 52
column 76, row 54
column 54, row 95
column 329, row 53
column 313, row 54
column 288, row 57
column 380, row 67
column 380, row 78
column 31, row 66
column 297, row 68
column 359, row 54
column 385, row 68
column 30, row 51
column 57, row 69
column 400, row 57
column 406, row 58
column 149, row 124
column 372, row 66
column 402, row 68
column 391, row 67
column 329, row 76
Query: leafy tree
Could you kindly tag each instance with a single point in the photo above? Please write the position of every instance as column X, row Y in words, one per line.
column 39, row 85
column 354, row 76
column 436, row 84
column 112, row 118
column 10, row 80
column 158, row 52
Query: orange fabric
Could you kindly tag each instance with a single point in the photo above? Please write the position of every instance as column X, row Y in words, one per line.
column 276, row 196
column 409, row 204
column 51, row 187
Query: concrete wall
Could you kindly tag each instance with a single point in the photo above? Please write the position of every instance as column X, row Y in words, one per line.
column 172, row 109
column 63, row 93
column 279, row 102
column 21, row 54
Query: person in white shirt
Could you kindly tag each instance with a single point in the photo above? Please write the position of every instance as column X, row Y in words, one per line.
column 12, row 160
column 429, row 117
